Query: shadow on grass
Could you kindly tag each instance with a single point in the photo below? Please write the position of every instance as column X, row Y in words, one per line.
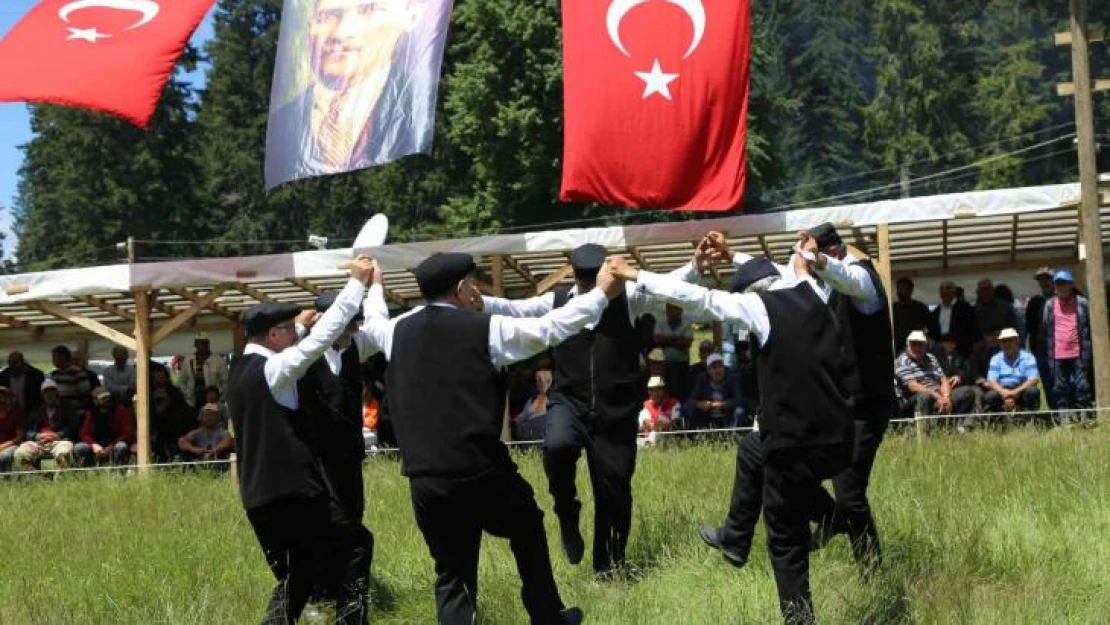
column 382, row 597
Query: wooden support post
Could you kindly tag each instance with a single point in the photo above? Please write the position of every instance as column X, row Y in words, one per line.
column 184, row 316
column 520, row 270
column 1089, row 204
column 882, row 241
column 497, row 277
column 142, row 376
column 550, row 281
column 920, row 426
column 239, row 338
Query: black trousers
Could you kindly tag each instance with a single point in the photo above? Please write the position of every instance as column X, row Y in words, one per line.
column 308, row 543
column 611, row 457
column 345, row 475
column 453, row 513
column 747, row 497
column 851, row 510
column 791, row 484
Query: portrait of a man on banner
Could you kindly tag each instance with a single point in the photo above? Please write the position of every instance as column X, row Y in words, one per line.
column 354, row 85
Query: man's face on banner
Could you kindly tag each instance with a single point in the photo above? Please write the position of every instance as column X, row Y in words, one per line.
column 352, row 39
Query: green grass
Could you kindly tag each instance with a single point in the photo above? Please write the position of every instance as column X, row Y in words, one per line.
column 982, row 529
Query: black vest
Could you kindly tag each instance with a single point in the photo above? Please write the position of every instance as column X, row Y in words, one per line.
column 802, row 369
column 446, row 399
column 600, row 368
column 272, row 441
column 333, row 404
column 870, row 351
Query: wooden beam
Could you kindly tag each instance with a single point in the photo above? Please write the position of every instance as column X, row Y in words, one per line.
column 107, row 307
column 247, row 289
column 1068, row 88
column 95, row 327
column 184, row 316
column 1095, row 33
column 238, row 338
column 8, row 320
column 556, row 277
column 156, row 304
column 520, row 270
column 216, row 308
column 392, row 296
column 766, row 248
column 142, row 377
column 634, row 252
column 497, row 269
column 882, row 239
column 987, row 269
column 306, row 285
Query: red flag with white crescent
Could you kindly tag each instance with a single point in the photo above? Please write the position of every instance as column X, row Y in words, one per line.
column 109, row 55
column 656, row 101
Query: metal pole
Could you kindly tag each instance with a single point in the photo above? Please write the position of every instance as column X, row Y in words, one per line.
column 1090, row 220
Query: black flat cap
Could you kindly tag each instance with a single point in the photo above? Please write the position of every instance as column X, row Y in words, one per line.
column 440, row 272
column 327, row 300
column 751, row 272
column 586, row 260
column 258, row 319
column 826, row 235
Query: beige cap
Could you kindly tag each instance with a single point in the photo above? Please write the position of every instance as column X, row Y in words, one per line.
column 656, row 382
column 656, row 355
column 917, row 336
column 1008, row 333
column 100, row 391
column 211, row 408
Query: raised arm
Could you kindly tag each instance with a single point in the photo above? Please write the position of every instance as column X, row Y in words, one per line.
column 291, row 364
column 514, row 339
column 745, row 309
column 368, row 339
column 531, row 307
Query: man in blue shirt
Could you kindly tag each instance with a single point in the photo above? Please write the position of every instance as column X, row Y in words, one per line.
column 1012, row 380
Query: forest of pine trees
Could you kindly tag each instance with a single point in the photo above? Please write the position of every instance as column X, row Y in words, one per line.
column 847, row 96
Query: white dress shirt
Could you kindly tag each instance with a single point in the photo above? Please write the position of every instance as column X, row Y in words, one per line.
column 511, row 339
column 944, row 318
column 639, row 303
column 745, row 309
column 374, row 306
column 846, row 276
column 283, row 370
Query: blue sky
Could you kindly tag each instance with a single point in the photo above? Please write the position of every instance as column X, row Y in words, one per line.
column 15, row 122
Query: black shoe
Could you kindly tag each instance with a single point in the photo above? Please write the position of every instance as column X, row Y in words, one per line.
column 824, row 533
column 572, row 616
column 573, row 545
column 712, row 537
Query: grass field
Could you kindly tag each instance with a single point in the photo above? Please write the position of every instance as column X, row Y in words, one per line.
column 989, row 528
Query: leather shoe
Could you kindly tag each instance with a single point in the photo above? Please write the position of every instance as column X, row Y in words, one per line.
column 712, row 537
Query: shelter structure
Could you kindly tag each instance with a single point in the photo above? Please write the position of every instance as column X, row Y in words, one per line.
column 153, row 308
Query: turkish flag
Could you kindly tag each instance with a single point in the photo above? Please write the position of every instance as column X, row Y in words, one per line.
column 656, row 102
column 109, row 55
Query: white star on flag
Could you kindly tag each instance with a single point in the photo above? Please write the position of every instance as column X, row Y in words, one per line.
column 88, row 34
column 656, row 81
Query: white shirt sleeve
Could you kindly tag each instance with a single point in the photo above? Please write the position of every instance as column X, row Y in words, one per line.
column 745, row 309
column 514, row 339
column 373, row 308
column 852, row 280
column 285, row 369
column 531, row 307
column 641, row 302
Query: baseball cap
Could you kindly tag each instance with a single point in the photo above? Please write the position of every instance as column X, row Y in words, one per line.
column 49, row 383
column 714, row 359
column 1008, row 333
column 917, row 336
column 1062, row 276
column 656, row 382
column 100, row 391
column 1043, row 271
column 656, row 355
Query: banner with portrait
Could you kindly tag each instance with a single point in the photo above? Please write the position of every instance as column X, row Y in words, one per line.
column 354, row 85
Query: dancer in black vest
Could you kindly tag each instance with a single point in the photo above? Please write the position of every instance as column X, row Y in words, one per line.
column 595, row 399
column 805, row 424
column 304, row 534
column 461, row 477
column 331, row 394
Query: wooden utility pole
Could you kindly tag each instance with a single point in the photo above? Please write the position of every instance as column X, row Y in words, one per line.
column 1090, row 220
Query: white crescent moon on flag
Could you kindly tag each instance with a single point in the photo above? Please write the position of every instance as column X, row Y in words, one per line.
column 147, row 8
column 619, row 8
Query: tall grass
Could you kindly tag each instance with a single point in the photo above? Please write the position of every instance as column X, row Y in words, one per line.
column 981, row 529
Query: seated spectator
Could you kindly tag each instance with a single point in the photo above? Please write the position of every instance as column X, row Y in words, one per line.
column 661, row 412
column 716, row 400
column 208, row 442
column 12, row 428
column 1013, row 377
column 531, row 423
column 705, row 348
column 170, row 415
column 212, row 396
column 74, row 383
column 955, row 366
column 370, row 410
column 107, row 432
column 925, row 389
column 51, row 432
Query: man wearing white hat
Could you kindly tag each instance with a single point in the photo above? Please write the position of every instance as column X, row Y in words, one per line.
column 925, row 389
column 52, row 430
column 661, row 412
column 201, row 370
column 1012, row 378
